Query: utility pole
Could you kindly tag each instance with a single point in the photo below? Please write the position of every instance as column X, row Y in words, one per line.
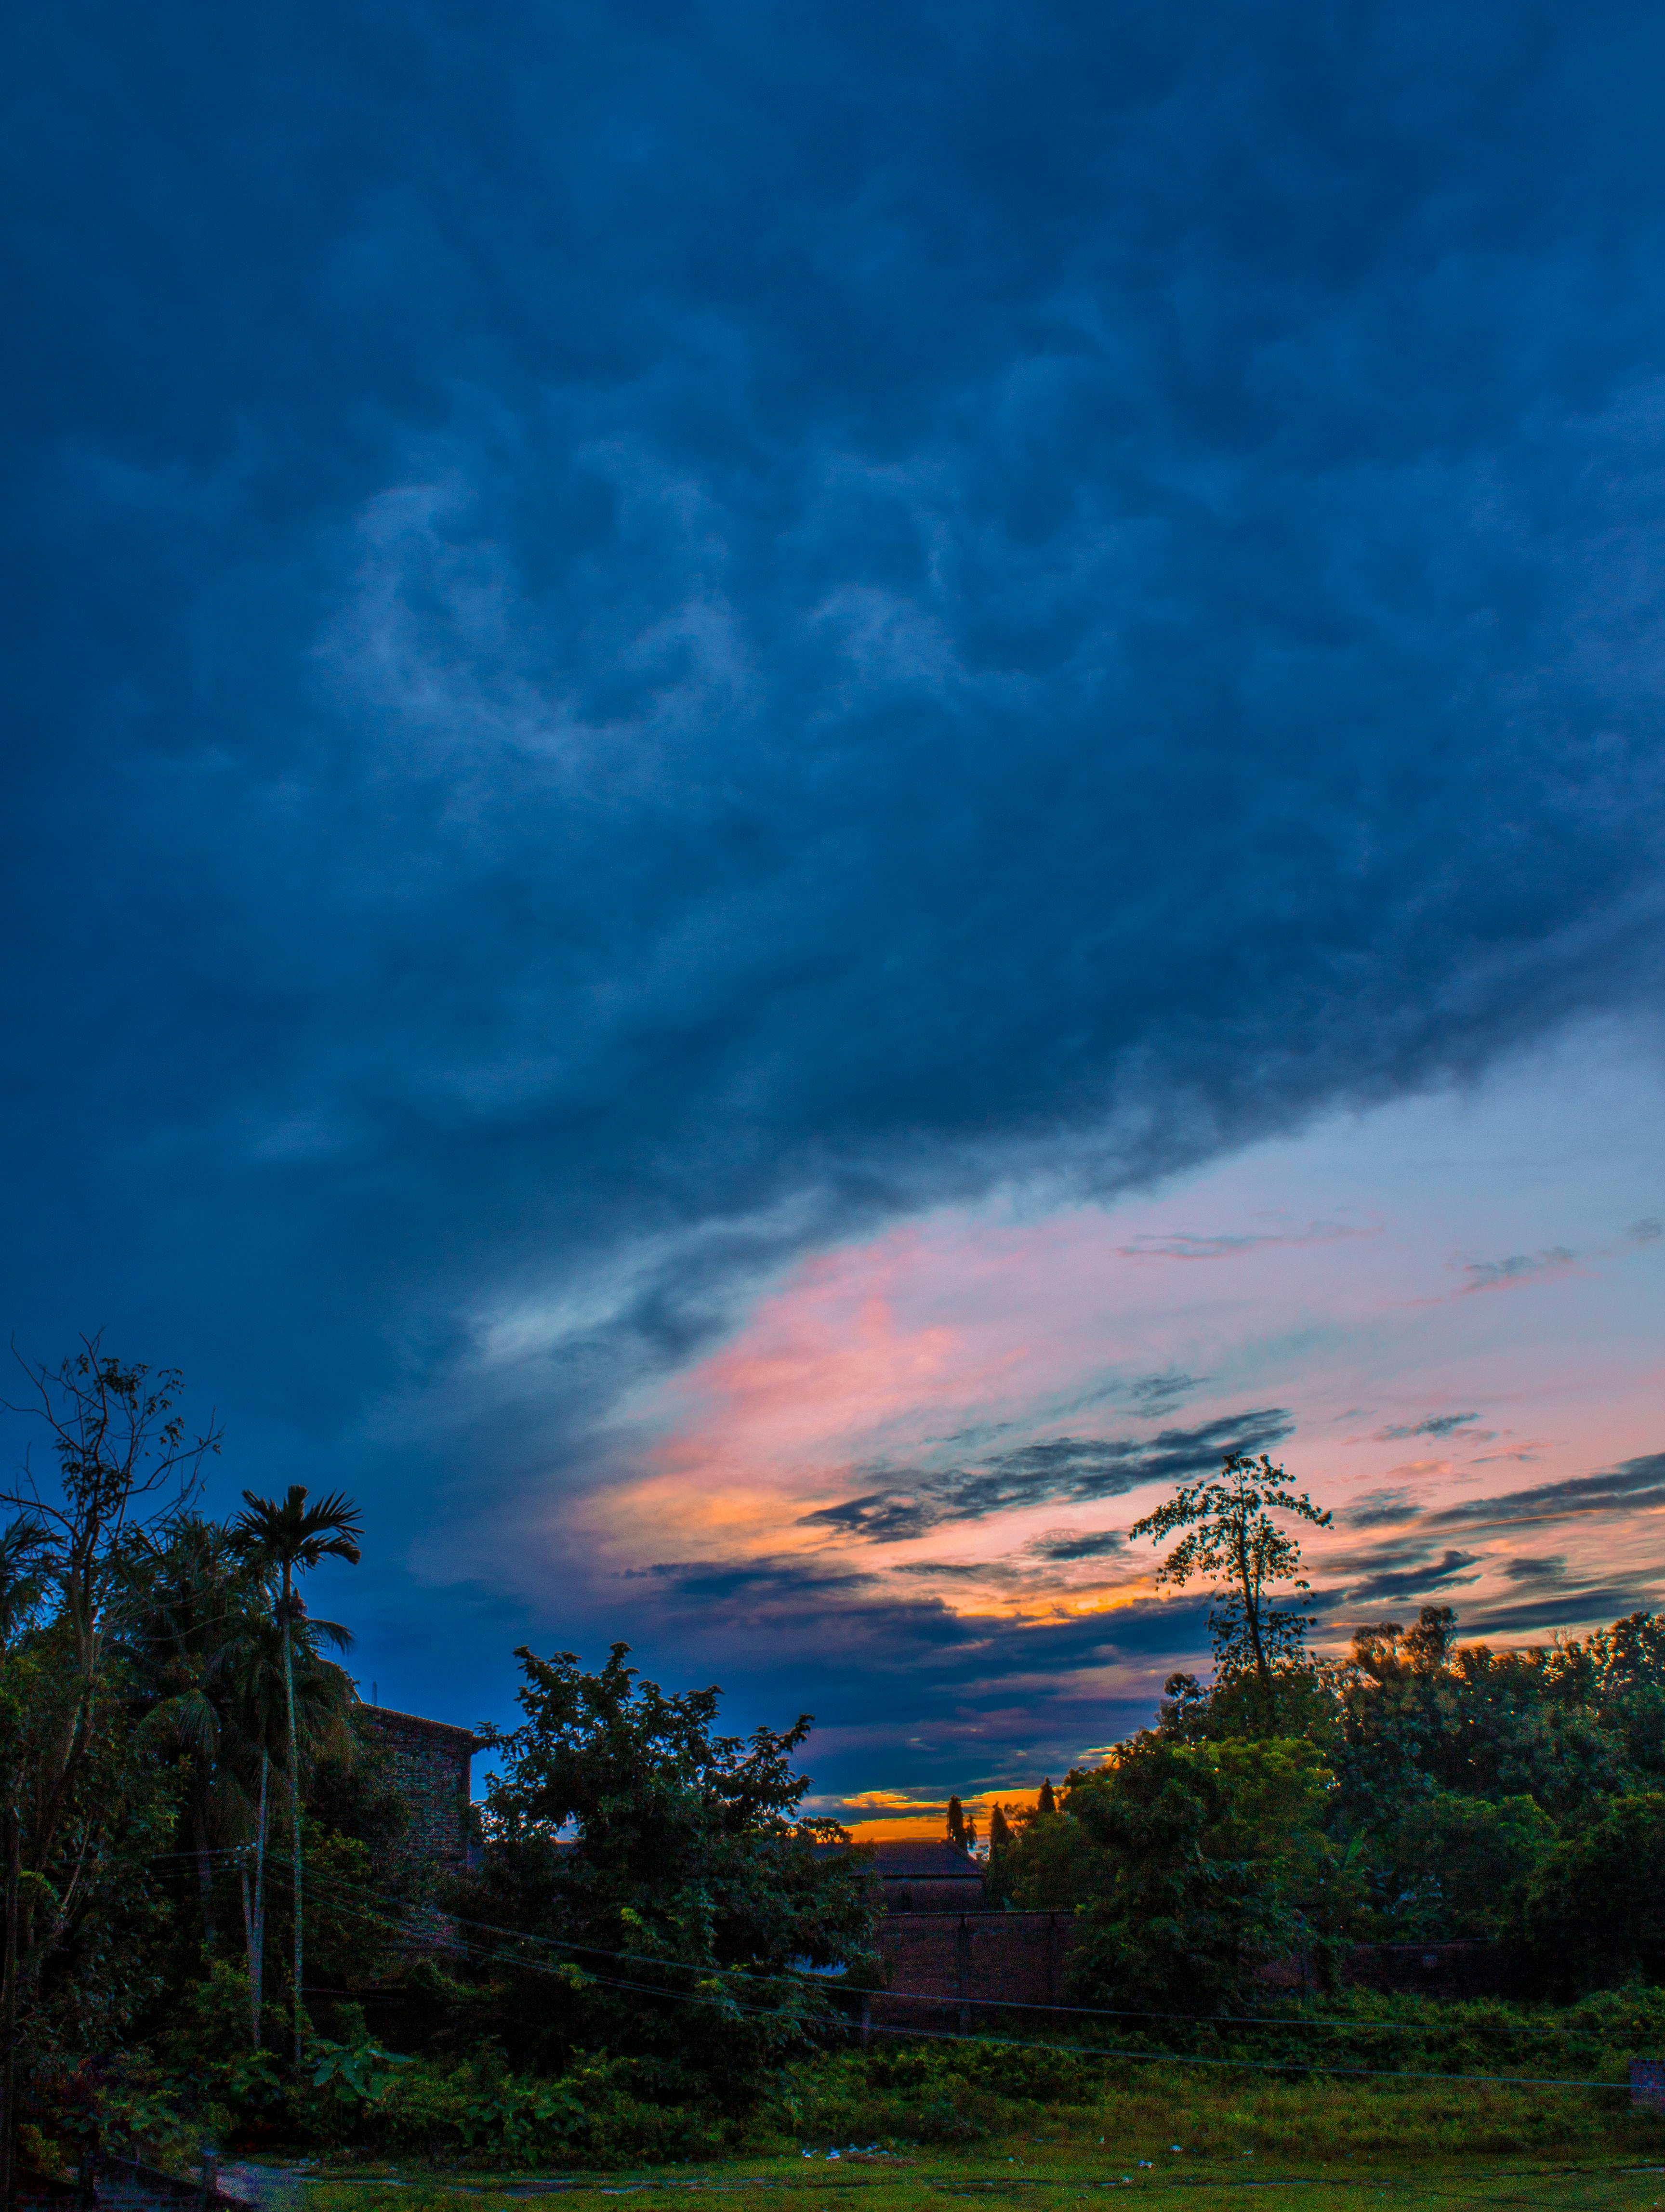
column 9, row 2012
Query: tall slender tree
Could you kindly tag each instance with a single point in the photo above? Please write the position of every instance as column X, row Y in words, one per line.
column 962, row 1830
column 249, row 1691
column 1232, row 1538
column 251, row 1672
column 124, row 1463
column 286, row 1540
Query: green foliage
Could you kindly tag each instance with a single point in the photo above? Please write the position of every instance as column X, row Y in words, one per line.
column 1593, row 1914
column 478, row 2110
column 1477, row 1794
column 1051, row 1865
column 997, row 1879
column 1193, row 1863
column 1457, row 1861
column 1232, row 1540
column 674, row 1925
column 906, row 2095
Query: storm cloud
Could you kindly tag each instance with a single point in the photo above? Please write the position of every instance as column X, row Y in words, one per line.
column 641, row 641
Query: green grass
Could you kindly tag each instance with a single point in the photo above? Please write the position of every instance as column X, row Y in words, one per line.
column 1246, row 2141
column 1021, row 2173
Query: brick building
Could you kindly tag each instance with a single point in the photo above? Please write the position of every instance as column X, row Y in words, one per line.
column 928, row 1877
column 430, row 1770
column 942, row 1967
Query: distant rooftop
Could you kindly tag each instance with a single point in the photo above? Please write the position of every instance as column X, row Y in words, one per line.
column 906, row 1861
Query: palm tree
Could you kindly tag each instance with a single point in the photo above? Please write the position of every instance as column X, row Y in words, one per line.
column 249, row 1689
column 190, row 1599
column 284, row 1540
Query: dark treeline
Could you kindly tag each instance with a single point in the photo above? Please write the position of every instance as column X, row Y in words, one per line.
column 1422, row 1789
column 217, row 1927
column 216, row 1922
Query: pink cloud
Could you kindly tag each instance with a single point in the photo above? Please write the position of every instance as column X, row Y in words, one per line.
column 963, row 1334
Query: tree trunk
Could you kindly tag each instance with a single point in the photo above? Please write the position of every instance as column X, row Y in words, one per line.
column 204, row 1878
column 294, row 1829
column 1252, row 1622
column 254, row 1912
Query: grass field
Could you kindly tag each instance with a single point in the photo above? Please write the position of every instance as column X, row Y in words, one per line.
column 1026, row 2174
column 1451, row 2108
column 1192, row 2145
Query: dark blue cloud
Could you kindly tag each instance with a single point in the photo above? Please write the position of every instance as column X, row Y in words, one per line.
column 1383, row 1509
column 985, row 1695
column 1569, row 1606
column 1420, row 1578
column 1062, row 1470
column 1436, row 1425
column 642, row 636
column 1634, row 1486
column 1063, row 1545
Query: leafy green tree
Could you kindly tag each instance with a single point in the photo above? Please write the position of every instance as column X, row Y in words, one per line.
column 674, row 1891
column 1457, row 1864
column 1592, row 1915
column 1191, row 1865
column 77, row 1790
column 1421, row 1713
column 190, row 1597
column 1050, row 1866
column 1232, row 1539
column 283, row 1541
column 962, row 1830
column 253, row 1697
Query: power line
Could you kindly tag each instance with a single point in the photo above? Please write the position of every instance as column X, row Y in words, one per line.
column 995, row 2004
column 1014, row 2043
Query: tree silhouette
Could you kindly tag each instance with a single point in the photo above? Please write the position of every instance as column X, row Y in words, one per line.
column 284, row 1541
column 1233, row 1538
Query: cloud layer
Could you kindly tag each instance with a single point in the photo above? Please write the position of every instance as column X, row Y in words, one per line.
column 647, row 644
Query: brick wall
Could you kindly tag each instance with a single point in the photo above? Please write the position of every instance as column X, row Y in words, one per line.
column 430, row 1771
column 1445, row 1971
column 942, row 1968
column 939, row 1965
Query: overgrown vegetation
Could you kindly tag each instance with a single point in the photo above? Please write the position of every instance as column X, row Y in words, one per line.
column 209, row 1886
column 1422, row 1790
column 215, row 1925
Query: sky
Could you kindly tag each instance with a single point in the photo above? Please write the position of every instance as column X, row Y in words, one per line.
column 791, row 792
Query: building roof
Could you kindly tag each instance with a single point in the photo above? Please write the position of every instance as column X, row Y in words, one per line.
column 905, row 1861
column 380, row 1715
